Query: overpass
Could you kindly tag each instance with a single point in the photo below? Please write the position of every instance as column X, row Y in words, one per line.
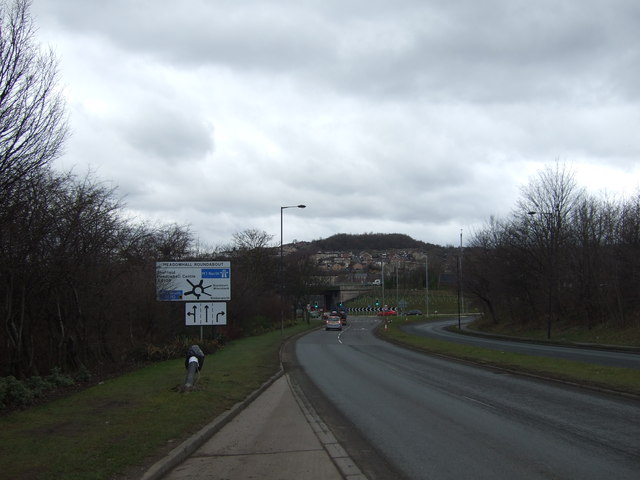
column 343, row 292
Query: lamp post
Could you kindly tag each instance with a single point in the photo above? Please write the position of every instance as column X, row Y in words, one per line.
column 382, row 283
column 550, row 268
column 460, row 294
column 282, row 267
column 426, row 268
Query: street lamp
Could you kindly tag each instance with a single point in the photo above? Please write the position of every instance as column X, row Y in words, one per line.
column 282, row 269
column 551, row 267
column 384, row 302
column 460, row 295
column 426, row 268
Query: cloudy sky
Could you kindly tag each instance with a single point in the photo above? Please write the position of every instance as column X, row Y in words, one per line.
column 422, row 117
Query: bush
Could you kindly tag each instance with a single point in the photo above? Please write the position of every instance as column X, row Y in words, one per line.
column 21, row 394
column 177, row 349
column 14, row 393
column 3, row 393
column 38, row 386
column 83, row 375
column 59, row 379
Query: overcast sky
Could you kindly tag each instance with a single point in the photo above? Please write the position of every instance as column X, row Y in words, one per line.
column 421, row 117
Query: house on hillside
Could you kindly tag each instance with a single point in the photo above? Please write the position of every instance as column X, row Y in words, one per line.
column 365, row 257
column 357, row 267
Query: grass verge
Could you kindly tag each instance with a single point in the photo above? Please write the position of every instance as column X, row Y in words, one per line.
column 603, row 334
column 102, row 431
column 623, row 380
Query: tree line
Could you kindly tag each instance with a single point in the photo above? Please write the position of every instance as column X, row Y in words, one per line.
column 368, row 241
column 77, row 277
column 563, row 257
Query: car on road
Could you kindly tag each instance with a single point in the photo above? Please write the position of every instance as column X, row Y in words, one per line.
column 333, row 323
column 387, row 313
column 414, row 312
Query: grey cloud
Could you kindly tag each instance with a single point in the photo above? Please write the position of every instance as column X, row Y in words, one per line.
column 420, row 116
column 168, row 133
column 492, row 51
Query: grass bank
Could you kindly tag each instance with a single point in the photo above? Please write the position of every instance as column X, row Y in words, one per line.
column 624, row 380
column 106, row 429
column 601, row 334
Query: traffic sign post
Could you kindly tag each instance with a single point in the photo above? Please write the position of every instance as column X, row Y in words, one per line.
column 199, row 284
column 193, row 281
column 205, row 313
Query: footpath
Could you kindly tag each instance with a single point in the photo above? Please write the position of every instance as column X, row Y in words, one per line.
column 274, row 434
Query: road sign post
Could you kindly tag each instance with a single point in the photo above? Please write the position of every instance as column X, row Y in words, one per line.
column 199, row 284
column 205, row 313
column 193, row 281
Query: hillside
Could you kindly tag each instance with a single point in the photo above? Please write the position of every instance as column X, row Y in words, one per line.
column 367, row 241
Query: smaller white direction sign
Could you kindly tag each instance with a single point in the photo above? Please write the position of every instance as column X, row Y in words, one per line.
column 205, row 313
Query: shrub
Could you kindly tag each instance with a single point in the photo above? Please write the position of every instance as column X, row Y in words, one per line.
column 20, row 394
column 59, row 379
column 38, row 386
column 3, row 393
column 177, row 349
column 83, row 375
column 14, row 393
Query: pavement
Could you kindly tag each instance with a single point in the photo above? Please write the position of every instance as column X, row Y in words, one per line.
column 274, row 434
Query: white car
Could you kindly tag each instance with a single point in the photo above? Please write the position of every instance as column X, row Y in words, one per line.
column 333, row 323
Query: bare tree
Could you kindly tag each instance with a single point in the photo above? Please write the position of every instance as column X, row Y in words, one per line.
column 73, row 272
column 590, row 259
column 253, row 254
column 549, row 200
column 254, row 278
column 252, row 239
column 563, row 256
column 33, row 123
column 303, row 279
column 627, row 267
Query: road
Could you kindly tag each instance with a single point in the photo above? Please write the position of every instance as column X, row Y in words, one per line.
column 428, row 418
column 588, row 355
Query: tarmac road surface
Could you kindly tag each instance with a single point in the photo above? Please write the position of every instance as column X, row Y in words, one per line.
column 435, row 418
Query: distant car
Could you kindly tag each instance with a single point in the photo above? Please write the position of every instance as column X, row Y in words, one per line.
column 387, row 313
column 343, row 317
column 333, row 323
column 414, row 312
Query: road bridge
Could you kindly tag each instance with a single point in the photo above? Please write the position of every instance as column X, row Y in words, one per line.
column 343, row 292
